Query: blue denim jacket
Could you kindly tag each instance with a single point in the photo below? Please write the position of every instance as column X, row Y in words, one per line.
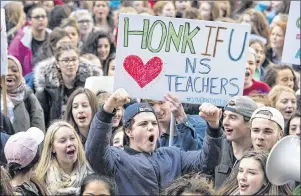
column 189, row 135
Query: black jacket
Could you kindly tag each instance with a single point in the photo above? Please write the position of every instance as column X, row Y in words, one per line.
column 50, row 91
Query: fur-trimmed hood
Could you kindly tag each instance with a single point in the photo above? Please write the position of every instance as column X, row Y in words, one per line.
column 47, row 75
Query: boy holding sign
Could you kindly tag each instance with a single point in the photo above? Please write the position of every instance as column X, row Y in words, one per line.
column 139, row 169
column 189, row 130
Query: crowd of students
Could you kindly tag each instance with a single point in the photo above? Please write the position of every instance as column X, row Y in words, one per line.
column 59, row 138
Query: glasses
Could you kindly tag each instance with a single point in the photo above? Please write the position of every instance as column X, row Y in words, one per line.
column 39, row 17
column 67, row 61
column 84, row 21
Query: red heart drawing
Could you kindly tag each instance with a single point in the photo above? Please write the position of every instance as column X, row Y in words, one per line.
column 142, row 74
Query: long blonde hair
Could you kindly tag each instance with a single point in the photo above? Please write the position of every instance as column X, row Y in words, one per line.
column 48, row 158
column 15, row 13
column 16, row 16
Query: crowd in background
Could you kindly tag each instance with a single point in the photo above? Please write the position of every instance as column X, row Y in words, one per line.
column 59, row 138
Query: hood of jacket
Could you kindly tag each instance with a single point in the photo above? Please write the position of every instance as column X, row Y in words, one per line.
column 47, row 75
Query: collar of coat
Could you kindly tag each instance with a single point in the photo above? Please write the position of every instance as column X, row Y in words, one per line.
column 132, row 151
column 47, row 75
column 27, row 37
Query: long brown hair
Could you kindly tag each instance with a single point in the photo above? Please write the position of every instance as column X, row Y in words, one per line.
column 259, row 23
column 92, row 101
column 231, row 184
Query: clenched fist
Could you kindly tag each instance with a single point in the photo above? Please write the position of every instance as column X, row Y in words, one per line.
column 118, row 98
column 211, row 114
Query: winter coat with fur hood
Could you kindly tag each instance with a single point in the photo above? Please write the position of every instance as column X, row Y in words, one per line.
column 50, row 90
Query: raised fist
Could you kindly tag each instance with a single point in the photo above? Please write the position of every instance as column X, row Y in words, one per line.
column 118, row 98
column 211, row 114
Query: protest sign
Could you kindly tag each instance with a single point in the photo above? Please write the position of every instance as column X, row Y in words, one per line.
column 3, row 44
column 291, row 48
column 97, row 83
column 197, row 61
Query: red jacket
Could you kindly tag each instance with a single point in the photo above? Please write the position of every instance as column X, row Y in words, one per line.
column 20, row 47
column 58, row 2
column 257, row 86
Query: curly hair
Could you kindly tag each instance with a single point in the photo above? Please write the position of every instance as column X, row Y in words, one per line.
column 90, row 46
column 191, row 184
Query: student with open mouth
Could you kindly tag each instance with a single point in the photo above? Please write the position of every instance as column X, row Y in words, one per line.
column 80, row 110
column 102, row 15
column 63, row 164
column 27, row 111
column 236, row 133
column 250, row 178
column 251, row 85
column 140, row 168
column 189, row 130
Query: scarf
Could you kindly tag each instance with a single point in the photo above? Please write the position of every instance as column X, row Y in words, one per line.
column 59, row 182
column 17, row 95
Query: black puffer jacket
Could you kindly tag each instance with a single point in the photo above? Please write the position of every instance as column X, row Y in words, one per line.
column 49, row 90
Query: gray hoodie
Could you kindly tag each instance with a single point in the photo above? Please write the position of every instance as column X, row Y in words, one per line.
column 139, row 173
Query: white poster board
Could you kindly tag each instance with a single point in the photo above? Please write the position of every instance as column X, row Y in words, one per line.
column 3, row 44
column 197, row 61
column 291, row 48
column 100, row 83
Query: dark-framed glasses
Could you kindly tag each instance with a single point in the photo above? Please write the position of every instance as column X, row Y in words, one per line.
column 38, row 17
column 66, row 61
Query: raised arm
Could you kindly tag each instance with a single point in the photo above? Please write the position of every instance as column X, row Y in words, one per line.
column 98, row 152
column 209, row 157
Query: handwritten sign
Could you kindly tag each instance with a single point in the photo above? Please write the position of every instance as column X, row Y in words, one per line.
column 197, row 61
column 291, row 49
column 3, row 44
